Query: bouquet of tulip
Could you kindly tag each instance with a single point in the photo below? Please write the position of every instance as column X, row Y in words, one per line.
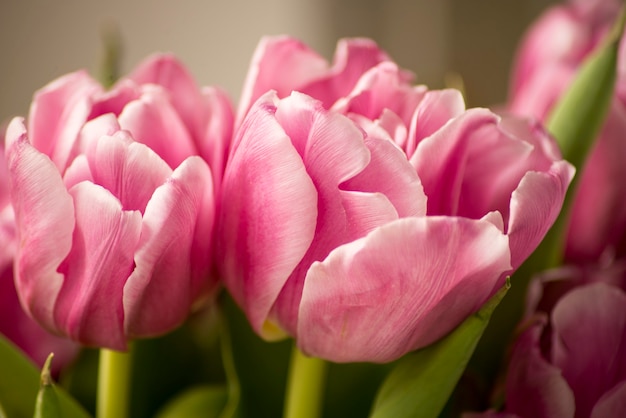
column 171, row 248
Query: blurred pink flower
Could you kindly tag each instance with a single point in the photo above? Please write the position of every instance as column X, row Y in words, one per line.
column 15, row 325
column 573, row 365
column 116, row 236
column 359, row 224
column 547, row 60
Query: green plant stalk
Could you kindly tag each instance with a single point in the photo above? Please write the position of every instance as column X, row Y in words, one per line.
column 305, row 386
column 113, row 384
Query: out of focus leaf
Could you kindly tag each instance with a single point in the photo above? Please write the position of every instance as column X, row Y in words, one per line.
column 19, row 384
column 47, row 404
column 421, row 382
column 199, row 402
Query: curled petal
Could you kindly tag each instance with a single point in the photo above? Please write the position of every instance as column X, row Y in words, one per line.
column 612, row 403
column 89, row 307
column 154, row 122
column 44, row 213
column 152, row 303
column 57, row 114
column 428, row 267
column 272, row 213
column 535, row 205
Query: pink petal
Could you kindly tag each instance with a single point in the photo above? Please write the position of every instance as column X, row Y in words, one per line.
column 535, row 205
column 89, row 306
column 168, row 72
column 267, row 70
column 213, row 146
column 534, row 387
column 44, row 213
column 159, row 293
column 271, row 216
column 113, row 101
column 353, row 57
column 57, row 114
column 129, row 170
column 589, row 341
column 401, row 287
column 612, row 403
column 152, row 121
column 435, row 110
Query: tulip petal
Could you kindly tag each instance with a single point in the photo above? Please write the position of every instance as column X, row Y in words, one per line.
column 129, row 170
column 534, row 387
column 153, row 121
column 272, row 55
column 89, row 307
column 44, row 214
column 612, row 403
column 435, row 110
column 214, row 144
column 272, row 213
column 57, row 114
column 535, row 205
column 168, row 72
column 152, row 304
column 353, row 57
column 425, row 266
column 589, row 341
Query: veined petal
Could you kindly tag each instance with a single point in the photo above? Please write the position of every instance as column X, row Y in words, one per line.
column 272, row 213
column 153, row 121
column 272, row 55
column 535, row 205
column 89, row 306
column 57, row 114
column 159, row 293
column 129, row 170
column 401, row 287
column 167, row 71
column 214, row 144
column 44, row 213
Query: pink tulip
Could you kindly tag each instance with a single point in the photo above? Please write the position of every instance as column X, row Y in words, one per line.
column 15, row 325
column 115, row 240
column 548, row 58
column 575, row 367
column 359, row 228
column 159, row 103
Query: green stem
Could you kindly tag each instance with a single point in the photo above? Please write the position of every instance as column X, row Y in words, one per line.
column 113, row 384
column 305, row 386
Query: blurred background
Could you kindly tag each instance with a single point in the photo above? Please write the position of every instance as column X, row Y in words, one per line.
column 43, row 39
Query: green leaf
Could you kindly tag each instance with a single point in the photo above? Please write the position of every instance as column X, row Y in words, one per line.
column 421, row 382
column 576, row 121
column 19, row 385
column 47, row 403
column 199, row 402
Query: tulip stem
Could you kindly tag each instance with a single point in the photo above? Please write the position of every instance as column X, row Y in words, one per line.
column 305, row 386
column 113, row 384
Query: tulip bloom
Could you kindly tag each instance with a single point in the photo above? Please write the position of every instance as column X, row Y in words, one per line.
column 547, row 61
column 360, row 228
column 574, row 367
column 115, row 234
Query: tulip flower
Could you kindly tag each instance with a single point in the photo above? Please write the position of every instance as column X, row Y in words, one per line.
column 575, row 366
column 125, row 220
column 547, row 61
column 15, row 324
column 159, row 102
column 358, row 228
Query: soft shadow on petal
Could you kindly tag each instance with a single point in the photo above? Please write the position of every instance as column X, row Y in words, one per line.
column 89, row 307
column 153, row 305
column 612, row 403
column 272, row 213
column 44, row 214
column 401, row 287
